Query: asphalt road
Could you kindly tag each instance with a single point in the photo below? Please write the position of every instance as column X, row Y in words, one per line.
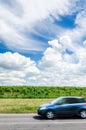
column 35, row 122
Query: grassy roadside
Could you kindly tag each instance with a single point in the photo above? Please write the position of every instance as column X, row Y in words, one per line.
column 21, row 105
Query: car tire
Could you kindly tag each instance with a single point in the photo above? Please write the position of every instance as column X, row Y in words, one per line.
column 83, row 114
column 50, row 114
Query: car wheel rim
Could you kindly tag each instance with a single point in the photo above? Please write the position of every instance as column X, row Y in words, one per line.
column 83, row 114
column 50, row 115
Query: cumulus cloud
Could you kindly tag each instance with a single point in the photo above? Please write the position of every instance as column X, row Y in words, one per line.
column 56, row 67
column 61, row 68
column 14, row 68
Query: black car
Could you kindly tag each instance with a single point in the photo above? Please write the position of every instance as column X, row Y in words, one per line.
column 65, row 106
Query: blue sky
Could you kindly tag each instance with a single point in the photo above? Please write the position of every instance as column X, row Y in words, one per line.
column 43, row 42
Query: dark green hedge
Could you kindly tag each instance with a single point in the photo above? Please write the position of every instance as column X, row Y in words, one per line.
column 40, row 92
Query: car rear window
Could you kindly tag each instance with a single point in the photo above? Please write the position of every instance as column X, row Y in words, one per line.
column 75, row 100
column 82, row 100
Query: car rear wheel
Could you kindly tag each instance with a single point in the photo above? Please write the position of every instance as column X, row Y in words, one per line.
column 83, row 114
column 50, row 114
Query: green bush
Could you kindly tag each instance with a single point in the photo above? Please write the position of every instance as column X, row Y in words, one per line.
column 40, row 91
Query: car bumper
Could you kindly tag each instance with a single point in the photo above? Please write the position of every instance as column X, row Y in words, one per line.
column 41, row 112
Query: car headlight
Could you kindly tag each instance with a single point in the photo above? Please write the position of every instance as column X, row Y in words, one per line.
column 42, row 108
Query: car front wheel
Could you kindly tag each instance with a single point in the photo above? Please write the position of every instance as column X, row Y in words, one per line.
column 83, row 114
column 50, row 114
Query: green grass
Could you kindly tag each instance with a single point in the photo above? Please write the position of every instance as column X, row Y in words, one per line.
column 21, row 105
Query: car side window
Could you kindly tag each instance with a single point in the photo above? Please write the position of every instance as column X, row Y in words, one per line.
column 72, row 100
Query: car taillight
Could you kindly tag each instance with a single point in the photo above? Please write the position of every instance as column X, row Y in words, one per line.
column 85, row 104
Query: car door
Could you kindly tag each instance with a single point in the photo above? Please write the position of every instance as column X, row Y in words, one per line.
column 64, row 108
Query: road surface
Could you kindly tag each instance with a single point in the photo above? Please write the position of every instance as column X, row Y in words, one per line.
column 34, row 122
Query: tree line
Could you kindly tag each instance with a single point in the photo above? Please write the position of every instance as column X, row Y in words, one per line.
column 40, row 91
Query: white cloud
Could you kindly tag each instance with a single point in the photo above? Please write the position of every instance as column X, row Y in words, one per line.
column 84, row 43
column 18, row 18
column 63, row 62
column 14, row 68
column 55, row 68
column 56, row 45
column 43, row 8
column 78, row 33
column 58, row 68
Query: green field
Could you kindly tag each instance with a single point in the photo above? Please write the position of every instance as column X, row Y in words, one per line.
column 21, row 105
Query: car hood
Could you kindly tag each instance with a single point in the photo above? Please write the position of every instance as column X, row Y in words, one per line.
column 47, row 105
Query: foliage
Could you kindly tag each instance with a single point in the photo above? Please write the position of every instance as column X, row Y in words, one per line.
column 40, row 91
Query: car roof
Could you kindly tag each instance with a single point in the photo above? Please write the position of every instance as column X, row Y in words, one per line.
column 71, row 97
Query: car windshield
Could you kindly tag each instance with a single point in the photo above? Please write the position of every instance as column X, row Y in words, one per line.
column 58, row 101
